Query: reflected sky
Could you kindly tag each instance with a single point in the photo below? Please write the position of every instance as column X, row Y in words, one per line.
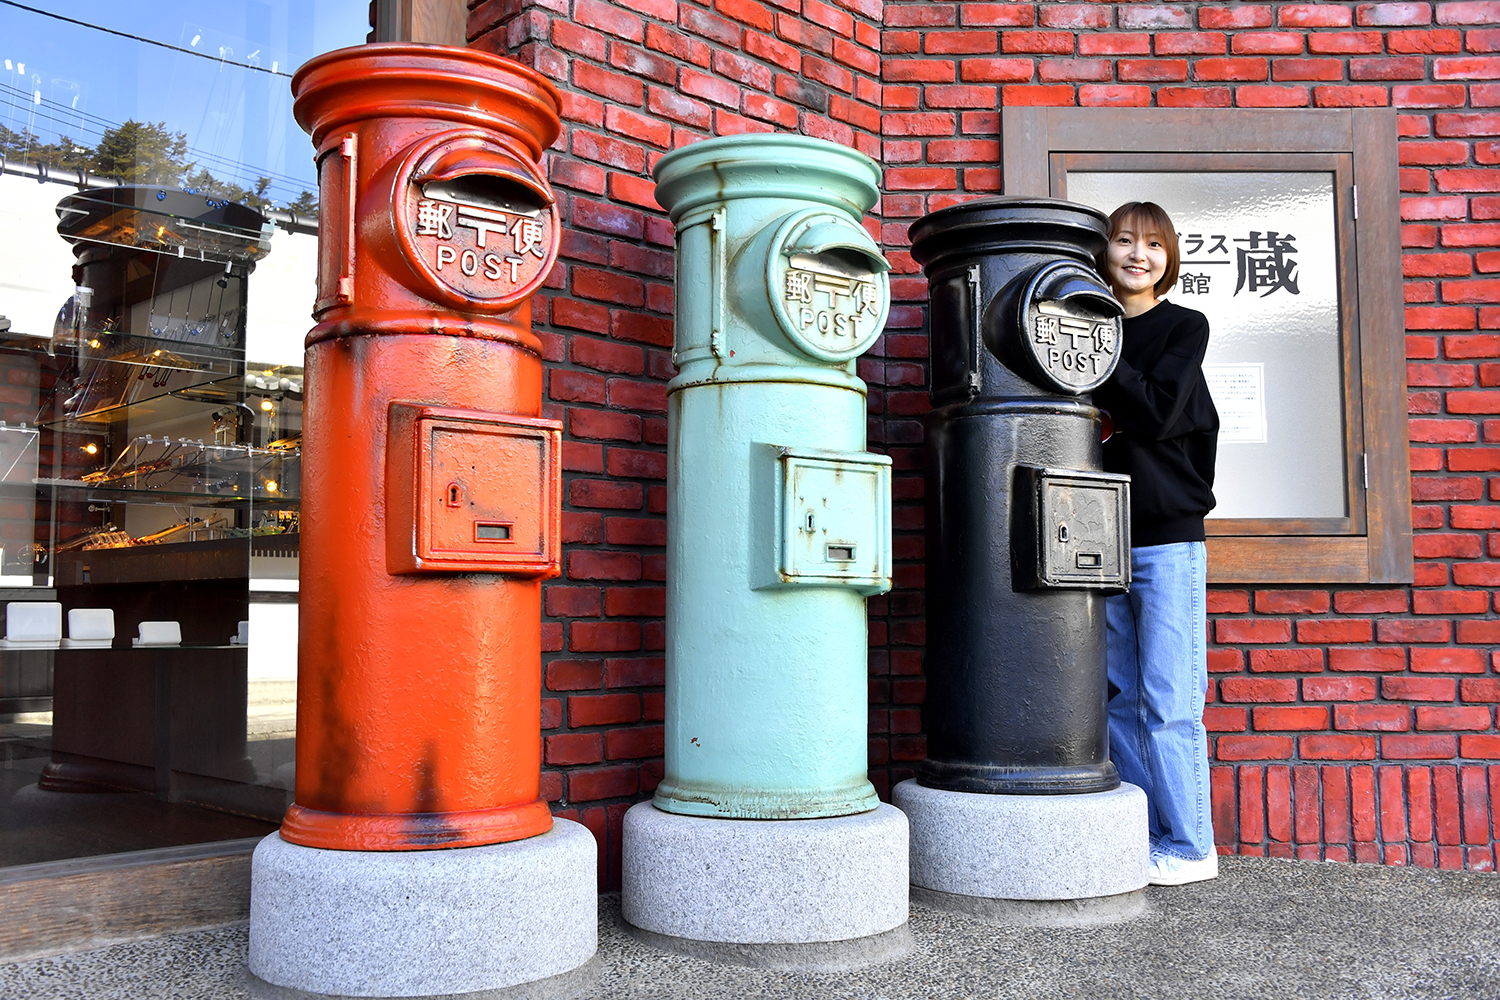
column 60, row 79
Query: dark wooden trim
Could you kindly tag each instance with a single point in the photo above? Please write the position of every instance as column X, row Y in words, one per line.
column 444, row 22
column 1024, row 144
column 1216, row 162
column 62, row 906
column 1382, row 311
column 1350, row 340
column 1287, row 559
column 1040, row 145
column 1281, row 526
column 1027, row 135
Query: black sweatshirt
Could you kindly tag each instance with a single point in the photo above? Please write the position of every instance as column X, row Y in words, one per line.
column 1166, row 428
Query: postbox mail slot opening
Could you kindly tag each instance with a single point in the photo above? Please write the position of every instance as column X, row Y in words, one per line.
column 489, row 531
column 840, row 553
column 497, row 192
column 838, row 244
column 842, row 262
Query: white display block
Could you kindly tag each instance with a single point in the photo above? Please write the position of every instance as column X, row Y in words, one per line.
column 159, row 634
column 90, row 628
column 33, row 623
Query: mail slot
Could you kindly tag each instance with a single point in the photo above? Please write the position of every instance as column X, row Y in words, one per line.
column 460, row 481
column 1070, row 529
column 1025, row 532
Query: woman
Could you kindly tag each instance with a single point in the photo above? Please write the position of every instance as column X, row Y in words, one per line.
column 1165, row 436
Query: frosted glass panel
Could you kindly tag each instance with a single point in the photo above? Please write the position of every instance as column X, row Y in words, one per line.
column 1260, row 260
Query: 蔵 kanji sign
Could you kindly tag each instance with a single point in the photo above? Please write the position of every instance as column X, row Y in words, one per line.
column 1265, row 262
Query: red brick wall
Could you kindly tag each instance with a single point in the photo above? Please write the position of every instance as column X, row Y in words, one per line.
column 1347, row 723
column 640, row 77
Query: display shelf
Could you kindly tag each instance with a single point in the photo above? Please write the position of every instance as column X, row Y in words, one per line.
column 215, row 388
column 131, row 494
column 215, row 559
column 119, row 646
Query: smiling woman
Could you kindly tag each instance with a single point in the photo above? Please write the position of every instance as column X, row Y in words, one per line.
column 1165, row 439
column 157, row 260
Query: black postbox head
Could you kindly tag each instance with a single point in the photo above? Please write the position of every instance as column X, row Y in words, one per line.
column 1015, row 293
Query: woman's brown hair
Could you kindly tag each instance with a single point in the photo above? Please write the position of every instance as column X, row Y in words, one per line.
column 1150, row 219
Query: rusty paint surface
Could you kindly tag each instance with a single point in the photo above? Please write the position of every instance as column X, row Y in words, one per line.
column 418, row 708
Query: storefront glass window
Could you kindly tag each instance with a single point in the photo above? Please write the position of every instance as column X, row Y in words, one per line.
column 158, row 215
column 1260, row 260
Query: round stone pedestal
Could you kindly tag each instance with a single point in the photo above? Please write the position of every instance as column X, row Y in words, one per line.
column 423, row 923
column 1038, row 859
column 805, row 894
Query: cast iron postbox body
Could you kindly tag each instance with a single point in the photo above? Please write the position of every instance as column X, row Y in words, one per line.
column 1025, row 534
column 778, row 520
column 431, row 501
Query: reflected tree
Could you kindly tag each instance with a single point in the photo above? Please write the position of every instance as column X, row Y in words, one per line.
column 143, row 153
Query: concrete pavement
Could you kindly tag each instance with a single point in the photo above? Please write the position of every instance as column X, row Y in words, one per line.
column 1264, row 929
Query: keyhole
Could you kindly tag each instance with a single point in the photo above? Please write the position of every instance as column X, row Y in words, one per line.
column 811, row 524
column 1062, row 532
column 453, row 494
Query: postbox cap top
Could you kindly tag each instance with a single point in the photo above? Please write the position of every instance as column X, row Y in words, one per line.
column 1009, row 224
column 420, row 81
column 778, row 166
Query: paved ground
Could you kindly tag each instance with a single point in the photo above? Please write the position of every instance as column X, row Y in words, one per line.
column 1265, row 929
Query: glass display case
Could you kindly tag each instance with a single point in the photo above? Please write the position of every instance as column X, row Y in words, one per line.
column 158, row 478
column 158, row 254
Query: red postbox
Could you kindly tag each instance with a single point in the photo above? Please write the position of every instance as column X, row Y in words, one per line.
column 431, row 495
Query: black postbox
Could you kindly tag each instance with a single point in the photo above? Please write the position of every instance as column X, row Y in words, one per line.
column 1026, row 535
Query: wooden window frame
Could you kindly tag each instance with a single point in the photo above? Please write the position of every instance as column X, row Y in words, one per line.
column 1374, row 543
column 442, row 22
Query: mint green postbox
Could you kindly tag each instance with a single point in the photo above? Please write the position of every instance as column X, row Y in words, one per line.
column 778, row 520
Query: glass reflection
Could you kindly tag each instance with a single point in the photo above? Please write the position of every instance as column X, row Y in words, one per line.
column 1260, row 260
column 157, row 249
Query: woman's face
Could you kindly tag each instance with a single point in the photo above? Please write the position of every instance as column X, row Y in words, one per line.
column 1136, row 262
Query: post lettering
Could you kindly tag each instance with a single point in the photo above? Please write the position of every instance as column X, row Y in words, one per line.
column 448, row 224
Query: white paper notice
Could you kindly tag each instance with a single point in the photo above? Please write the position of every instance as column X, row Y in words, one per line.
column 1239, row 394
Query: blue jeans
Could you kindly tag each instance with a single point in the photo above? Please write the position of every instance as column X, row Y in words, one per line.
column 1158, row 659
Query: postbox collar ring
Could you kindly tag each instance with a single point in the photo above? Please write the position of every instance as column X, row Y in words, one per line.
column 477, row 223
column 1007, row 224
column 828, row 285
